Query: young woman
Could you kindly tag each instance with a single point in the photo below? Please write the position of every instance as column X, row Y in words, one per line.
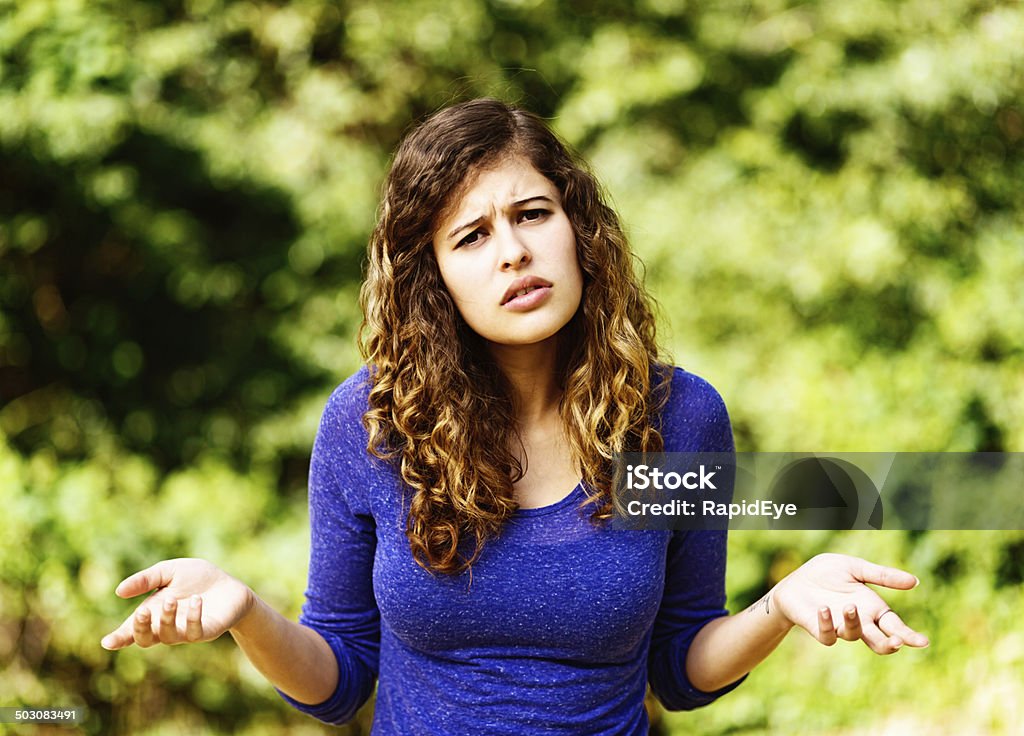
column 462, row 556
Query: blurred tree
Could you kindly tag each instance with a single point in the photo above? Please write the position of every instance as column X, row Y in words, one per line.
column 826, row 196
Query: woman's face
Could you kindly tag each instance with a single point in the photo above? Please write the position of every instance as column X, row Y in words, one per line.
column 507, row 254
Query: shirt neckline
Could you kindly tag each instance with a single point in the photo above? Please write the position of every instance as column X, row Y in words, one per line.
column 573, row 495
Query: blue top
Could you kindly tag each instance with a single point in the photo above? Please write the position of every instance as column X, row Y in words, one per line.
column 558, row 628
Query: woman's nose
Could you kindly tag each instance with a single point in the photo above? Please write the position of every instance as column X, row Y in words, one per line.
column 513, row 251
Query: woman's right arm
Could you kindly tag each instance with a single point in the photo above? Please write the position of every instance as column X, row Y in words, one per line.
column 327, row 664
column 295, row 658
column 196, row 601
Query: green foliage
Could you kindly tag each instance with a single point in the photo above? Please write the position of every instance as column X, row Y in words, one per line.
column 842, row 253
column 826, row 197
column 74, row 530
column 967, row 604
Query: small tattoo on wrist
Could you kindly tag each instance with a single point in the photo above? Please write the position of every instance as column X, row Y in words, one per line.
column 765, row 602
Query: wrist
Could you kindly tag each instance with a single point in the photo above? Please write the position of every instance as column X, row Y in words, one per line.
column 253, row 610
column 769, row 608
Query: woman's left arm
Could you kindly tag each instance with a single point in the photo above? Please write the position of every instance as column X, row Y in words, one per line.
column 827, row 596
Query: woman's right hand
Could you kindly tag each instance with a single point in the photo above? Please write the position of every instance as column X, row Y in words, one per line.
column 193, row 601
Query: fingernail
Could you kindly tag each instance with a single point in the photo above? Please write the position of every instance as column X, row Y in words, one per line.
column 851, row 612
column 168, row 605
column 195, row 601
column 917, row 581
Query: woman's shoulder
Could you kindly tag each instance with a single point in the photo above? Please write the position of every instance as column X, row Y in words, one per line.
column 351, row 396
column 694, row 391
column 341, row 424
column 695, row 418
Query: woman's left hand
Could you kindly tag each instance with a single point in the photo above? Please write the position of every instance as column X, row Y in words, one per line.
column 827, row 597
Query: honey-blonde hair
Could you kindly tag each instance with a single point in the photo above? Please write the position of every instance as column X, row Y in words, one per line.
column 439, row 407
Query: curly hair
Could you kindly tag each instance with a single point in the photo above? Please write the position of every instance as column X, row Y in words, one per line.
column 433, row 381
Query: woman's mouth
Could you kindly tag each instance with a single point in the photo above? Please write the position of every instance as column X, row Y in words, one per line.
column 527, row 298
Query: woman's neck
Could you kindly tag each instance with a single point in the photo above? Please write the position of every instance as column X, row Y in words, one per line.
column 532, row 371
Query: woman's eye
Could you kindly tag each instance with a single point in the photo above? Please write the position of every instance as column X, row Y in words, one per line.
column 531, row 215
column 469, row 239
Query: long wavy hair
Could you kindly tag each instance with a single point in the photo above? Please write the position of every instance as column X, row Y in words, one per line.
column 439, row 407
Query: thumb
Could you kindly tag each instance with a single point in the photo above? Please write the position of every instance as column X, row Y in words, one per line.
column 888, row 577
column 157, row 576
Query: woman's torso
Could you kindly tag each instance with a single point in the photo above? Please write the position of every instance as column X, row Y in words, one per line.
column 548, row 634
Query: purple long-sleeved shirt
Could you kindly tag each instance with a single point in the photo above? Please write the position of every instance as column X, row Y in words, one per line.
column 557, row 630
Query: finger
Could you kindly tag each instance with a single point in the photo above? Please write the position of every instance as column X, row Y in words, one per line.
column 826, row 627
column 889, row 577
column 168, row 622
column 142, row 629
column 157, row 576
column 879, row 642
column 194, row 623
column 892, row 625
column 851, row 629
column 120, row 637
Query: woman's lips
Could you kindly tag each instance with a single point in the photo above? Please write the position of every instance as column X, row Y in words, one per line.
column 538, row 295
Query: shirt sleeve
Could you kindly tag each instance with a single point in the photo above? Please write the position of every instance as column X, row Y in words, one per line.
column 340, row 603
column 696, row 420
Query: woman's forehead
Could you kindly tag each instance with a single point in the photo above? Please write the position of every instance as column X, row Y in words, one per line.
column 503, row 182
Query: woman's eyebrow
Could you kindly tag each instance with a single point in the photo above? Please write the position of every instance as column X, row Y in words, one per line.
column 517, row 203
column 460, row 228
